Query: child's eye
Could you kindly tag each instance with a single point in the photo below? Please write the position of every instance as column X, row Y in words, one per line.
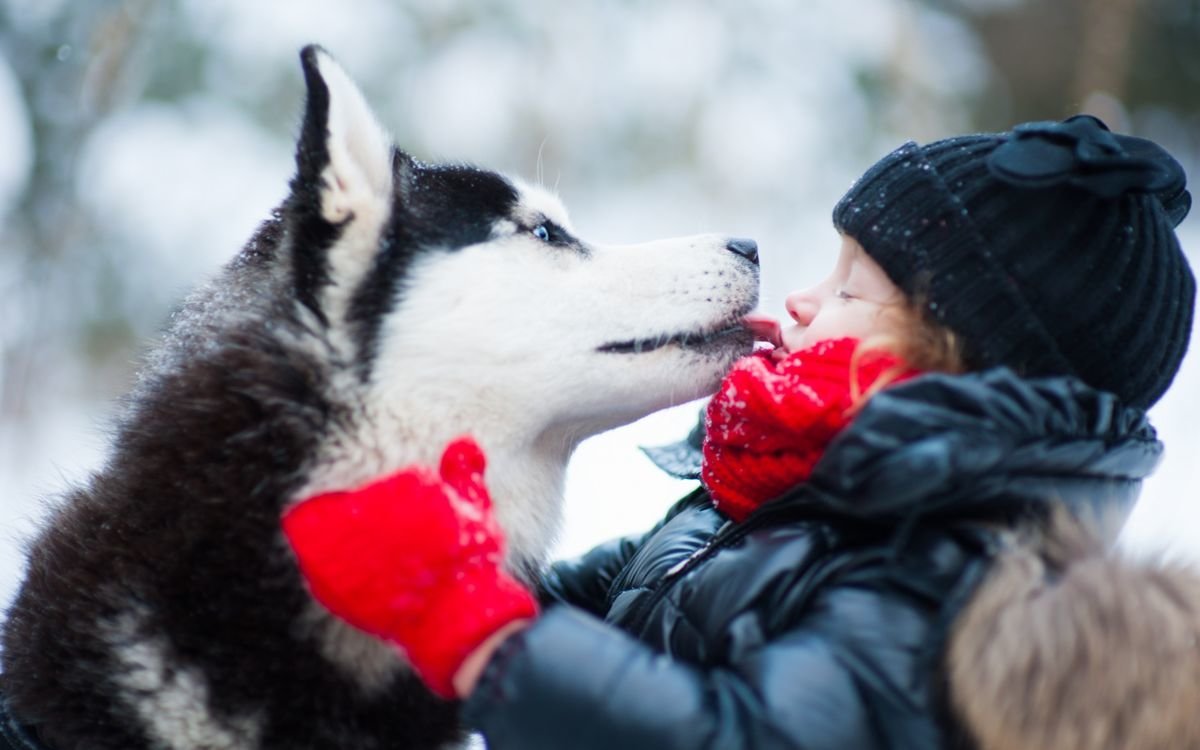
column 843, row 294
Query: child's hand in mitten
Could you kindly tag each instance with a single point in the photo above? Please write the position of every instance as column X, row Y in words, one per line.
column 772, row 417
column 415, row 559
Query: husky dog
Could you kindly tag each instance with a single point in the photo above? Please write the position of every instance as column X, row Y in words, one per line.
column 386, row 307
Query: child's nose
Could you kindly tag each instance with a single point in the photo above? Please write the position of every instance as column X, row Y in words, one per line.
column 802, row 306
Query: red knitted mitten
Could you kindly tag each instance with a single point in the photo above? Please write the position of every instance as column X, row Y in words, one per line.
column 769, row 422
column 414, row 558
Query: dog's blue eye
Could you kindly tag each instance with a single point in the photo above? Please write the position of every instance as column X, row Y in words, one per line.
column 542, row 232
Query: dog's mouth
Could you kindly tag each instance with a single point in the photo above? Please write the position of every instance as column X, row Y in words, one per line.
column 726, row 332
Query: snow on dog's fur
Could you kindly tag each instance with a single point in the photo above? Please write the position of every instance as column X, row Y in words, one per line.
column 386, row 307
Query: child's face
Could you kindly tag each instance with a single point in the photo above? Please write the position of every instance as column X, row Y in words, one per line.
column 856, row 300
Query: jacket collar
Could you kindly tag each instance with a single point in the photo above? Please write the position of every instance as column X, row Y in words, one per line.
column 978, row 443
column 681, row 459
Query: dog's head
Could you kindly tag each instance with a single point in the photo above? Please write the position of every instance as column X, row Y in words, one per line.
column 458, row 300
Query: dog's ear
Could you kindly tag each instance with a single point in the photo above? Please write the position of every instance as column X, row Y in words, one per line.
column 341, row 195
column 342, row 149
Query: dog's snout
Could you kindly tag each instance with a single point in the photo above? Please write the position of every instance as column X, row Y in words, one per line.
column 748, row 249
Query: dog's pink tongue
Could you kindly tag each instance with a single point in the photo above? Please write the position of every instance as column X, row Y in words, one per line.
column 765, row 328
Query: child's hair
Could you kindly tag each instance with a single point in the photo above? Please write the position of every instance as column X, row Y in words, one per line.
column 931, row 346
column 928, row 346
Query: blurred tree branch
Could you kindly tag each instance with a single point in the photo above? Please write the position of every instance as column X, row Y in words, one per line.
column 1102, row 68
column 73, row 70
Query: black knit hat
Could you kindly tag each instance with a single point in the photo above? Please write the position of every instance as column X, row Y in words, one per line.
column 1050, row 249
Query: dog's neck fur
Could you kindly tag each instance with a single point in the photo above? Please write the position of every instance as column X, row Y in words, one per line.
column 526, row 461
column 527, row 483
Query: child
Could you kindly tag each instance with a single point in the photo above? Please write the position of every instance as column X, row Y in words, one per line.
column 1002, row 310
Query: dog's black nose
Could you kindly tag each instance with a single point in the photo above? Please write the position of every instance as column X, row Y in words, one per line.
column 748, row 249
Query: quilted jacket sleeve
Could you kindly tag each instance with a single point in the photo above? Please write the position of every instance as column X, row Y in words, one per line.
column 853, row 672
column 585, row 581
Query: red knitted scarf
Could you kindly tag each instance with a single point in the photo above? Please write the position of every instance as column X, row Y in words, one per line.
column 769, row 422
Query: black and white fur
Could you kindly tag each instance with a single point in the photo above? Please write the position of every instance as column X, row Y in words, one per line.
column 386, row 307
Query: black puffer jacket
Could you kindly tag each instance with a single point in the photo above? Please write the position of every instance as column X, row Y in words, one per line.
column 819, row 622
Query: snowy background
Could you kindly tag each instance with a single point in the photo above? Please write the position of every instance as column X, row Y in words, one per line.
column 142, row 141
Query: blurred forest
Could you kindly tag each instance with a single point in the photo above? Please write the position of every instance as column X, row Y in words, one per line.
column 143, row 140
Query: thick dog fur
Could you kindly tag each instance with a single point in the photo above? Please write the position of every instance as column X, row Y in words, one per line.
column 386, row 307
column 1069, row 646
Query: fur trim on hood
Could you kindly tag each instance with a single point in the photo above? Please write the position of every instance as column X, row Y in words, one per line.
column 1068, row 645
